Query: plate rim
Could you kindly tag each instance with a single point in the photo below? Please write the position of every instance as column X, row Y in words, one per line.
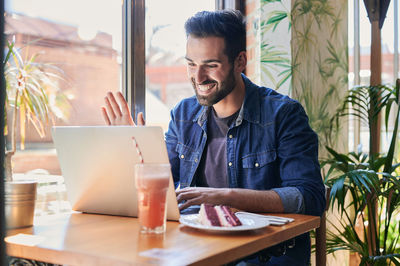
column 264, row 224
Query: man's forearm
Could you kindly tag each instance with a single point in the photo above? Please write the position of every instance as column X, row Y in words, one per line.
column 254, row 200
column 243, row 199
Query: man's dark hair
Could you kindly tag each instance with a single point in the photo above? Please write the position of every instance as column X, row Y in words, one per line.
column 228, row 24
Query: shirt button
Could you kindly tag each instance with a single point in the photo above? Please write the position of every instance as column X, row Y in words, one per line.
column 195, row 160
column 230, row 163
column 256, row 165
column 230, row 136
column 182, row 156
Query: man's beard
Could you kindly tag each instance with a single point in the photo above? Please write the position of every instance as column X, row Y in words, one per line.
column 220, row 91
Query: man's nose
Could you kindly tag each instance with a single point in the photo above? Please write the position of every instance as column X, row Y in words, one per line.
column 200, row 75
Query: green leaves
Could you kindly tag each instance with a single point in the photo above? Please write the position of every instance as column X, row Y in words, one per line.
column 367, row 103
column 276, row 18
column 382, row 259
column 269, row 1
column 371, row 181
column 273, row 60
column 359, row 188
column 395, row 98
column 9, row 53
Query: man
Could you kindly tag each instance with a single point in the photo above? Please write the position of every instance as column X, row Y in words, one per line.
column 236, row 143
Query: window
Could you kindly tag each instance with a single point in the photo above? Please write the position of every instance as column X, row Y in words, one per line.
column 363, row 33
column 91, row 42
column 166, row 79
column 359, row 61
column 83, row 40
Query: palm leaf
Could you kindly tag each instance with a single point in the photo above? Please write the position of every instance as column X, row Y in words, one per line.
column 276, row 18
column 348, row 240
column 286, row 75
column 390, row 155
column 273, row 59
column 269, row 1
column 10, row 46
column 377, row 163
column 18, row 61
column 339, row 157
column 387, row 112
column 382, row 259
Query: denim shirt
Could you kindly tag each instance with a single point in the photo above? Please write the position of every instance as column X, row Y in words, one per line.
column 271, row 146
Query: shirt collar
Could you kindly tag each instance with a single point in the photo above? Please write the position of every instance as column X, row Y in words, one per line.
column 201, row 117
column 250, row 109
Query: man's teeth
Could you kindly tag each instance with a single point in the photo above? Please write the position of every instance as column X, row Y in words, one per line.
column 205, row 87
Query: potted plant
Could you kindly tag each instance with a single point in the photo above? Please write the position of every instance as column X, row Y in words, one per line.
column 365, row 187
column 32, row 94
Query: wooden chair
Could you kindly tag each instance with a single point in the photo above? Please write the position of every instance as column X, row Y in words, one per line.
column 320, row 234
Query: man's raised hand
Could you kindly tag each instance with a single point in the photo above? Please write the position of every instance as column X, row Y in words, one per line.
column 117, row 113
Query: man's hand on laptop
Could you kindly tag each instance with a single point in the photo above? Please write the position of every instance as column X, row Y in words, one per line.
column 197, row 195
column 117, row 113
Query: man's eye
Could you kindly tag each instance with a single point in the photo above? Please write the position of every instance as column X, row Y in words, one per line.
column 191, row 64
column 211, row 66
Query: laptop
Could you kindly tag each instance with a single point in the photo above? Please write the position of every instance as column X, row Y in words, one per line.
column 97, row 163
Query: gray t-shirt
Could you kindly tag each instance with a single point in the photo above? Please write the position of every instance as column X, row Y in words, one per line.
column 212, row 168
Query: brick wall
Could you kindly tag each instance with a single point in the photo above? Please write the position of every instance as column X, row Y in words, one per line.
column 252, row 69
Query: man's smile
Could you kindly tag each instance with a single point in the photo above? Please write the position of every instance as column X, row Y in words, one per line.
column 205, row 88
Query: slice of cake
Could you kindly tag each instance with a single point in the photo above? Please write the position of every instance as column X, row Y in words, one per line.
column 217, row 216
column 208, row 215
column 226, row 216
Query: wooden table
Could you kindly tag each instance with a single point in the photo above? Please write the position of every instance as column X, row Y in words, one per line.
column 88, row 239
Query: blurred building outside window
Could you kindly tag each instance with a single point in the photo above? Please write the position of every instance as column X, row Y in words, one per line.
column 83, row 39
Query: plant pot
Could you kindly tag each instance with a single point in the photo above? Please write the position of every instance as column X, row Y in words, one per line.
column 19, row 201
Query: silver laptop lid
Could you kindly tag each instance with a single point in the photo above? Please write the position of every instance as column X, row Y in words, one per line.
column 97, row 163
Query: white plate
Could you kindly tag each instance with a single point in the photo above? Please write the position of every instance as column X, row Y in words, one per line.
column 249, row 222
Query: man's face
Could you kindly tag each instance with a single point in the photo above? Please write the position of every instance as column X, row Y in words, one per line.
column 209, row 69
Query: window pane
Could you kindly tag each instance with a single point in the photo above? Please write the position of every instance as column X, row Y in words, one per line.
column 81, row 41
column 387, row 35
column 365, row 43
column 387, row 54
column 166, row 79
column 78, row 49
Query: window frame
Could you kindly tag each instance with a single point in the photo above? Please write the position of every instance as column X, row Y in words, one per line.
column 133, row 54
column 2, row 146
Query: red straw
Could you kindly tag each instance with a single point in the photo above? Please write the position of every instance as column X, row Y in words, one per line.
column 138, row 150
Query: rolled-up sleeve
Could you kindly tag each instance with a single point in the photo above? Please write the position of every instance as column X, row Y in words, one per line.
column 292, row 199
column 298, row 156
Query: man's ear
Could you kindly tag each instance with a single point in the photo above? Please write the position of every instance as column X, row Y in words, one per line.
column 241, row 61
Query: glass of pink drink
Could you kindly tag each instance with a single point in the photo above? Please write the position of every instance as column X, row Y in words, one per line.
column 152, row 181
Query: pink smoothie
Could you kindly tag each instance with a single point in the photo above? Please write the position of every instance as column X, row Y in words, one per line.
column 152, row 196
